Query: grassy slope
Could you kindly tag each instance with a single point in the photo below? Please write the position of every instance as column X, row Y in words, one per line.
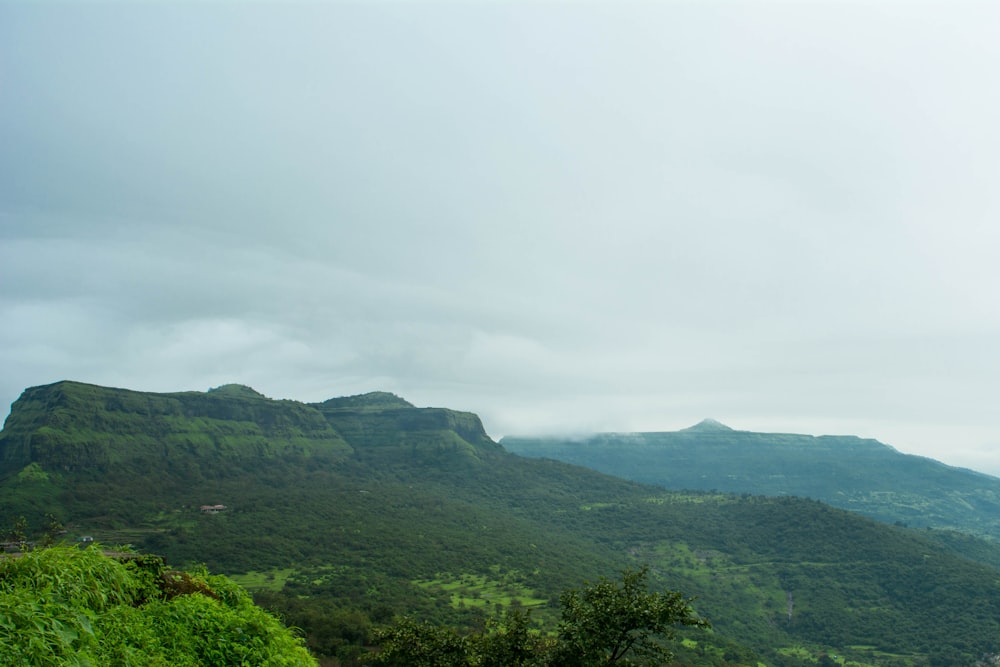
column 395, row 509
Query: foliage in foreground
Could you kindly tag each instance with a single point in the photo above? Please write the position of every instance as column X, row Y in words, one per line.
column 607, row 623
column 66, row 606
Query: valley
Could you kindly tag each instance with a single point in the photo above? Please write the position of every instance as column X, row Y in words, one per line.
column 344, row 515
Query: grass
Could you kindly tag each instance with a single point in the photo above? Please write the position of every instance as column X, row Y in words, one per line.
column 600, row 506
column 860, row 655
column 268, row 580
column 476, row 590
column 178, row 518
column 699, row 498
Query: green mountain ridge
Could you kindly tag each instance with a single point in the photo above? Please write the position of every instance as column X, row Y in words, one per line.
column 346, row 513
column 72, row 426
column 857, row 474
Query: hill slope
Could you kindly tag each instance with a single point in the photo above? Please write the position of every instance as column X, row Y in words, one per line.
column 347, row 512
column 860, row 475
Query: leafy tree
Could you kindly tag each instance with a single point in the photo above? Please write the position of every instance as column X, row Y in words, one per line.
column 603, row 624
column 620, row 623
column 18, row 531
column 413, row 644
column 53, row 528
column 510, row 642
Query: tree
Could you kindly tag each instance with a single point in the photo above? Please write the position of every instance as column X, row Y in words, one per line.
column 413, row 644
column 603, row 624
column 53, row 528
column 610, row 623
column 19, row 531
column 510, row 642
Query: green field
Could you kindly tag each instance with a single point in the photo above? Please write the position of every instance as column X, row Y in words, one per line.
column 478, row 590
column 270, row 580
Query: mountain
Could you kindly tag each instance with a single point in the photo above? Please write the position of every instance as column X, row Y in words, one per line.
column 74, row 427
column 856, row 474
column 707, row 426
column 346, row 513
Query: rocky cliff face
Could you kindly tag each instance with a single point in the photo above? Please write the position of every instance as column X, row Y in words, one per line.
column 117, row 455
column 384, row 425
column 71, row 427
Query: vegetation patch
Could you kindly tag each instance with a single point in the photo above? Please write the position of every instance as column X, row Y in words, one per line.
column 69, row 606
column 700, row 498
column 268, row 580
column 477, row 590
column 32, row 473
column 601, row 506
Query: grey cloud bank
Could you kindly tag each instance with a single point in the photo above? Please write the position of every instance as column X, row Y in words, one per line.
column 564, row 217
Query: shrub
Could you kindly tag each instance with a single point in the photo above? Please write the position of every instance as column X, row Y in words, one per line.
column 66, row 606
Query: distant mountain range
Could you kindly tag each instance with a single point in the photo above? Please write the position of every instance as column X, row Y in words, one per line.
column 856, row 474
column 346, row 513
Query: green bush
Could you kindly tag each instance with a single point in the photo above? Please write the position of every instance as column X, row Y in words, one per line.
column 66, row 606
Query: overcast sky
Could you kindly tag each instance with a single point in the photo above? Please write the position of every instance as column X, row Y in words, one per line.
column 565, row 217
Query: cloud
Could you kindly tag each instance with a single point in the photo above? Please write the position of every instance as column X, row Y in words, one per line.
column 560, row 216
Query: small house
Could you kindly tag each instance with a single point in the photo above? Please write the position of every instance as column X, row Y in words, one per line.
column 212, row 509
